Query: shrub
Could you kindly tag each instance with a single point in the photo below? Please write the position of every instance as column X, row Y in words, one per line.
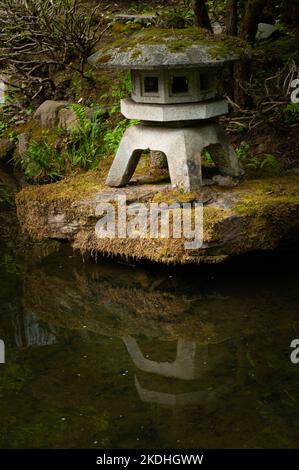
column 50, row 157
column 175, row 18
column 289, row 114
column 266, row 163
column 42, row 160
column 37, row 36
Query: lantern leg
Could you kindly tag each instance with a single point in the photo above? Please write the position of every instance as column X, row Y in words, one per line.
column 125, row 162
column 184, row 164
column 182, row 147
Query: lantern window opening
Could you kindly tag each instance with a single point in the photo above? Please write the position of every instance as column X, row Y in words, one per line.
column 179, row 85
column 150, row 85
column 205, row 82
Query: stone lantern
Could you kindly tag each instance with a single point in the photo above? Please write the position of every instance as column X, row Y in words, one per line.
column 174, row 96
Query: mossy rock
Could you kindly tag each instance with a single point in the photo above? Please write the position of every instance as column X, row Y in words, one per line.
column 258, row 215
column 7, row 147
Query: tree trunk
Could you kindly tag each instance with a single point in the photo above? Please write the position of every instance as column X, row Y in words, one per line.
column 253, row 11
column 202, row 18
column 232, row 18
column 241, row 77
column 290, row 11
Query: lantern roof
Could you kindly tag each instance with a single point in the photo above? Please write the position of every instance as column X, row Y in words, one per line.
column 154, row 48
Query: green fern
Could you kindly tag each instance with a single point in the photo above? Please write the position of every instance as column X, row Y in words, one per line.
column 84, row 147
column 271, row 162
column 292, row 108
column 79, row 111
column 42, row 160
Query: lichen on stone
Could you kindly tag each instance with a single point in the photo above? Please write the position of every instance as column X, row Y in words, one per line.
column 162, row 47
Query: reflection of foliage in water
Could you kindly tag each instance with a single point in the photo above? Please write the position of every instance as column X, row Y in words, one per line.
column 10, row 264
column 79, row 390
column 64, row 410
column 13, row 375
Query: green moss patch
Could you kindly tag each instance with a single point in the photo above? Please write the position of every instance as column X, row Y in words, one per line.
column 268, row 192
column 176, row 40
column 257, row 215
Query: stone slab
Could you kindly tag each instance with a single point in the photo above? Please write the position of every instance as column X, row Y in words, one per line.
column 238, row 221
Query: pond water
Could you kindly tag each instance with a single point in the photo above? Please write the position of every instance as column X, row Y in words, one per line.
column 115, row 356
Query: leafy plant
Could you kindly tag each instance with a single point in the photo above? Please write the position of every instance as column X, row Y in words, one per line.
column 280, row 25
column 6, row 196
column 292, row 108
column 271, row 162
column 122, row 90
column 243, row 150
column 84, row 148
column 3, row 128
column 10, row 264
column 290, row 113
column 41, row 160
column 266, row 161
column 38, row 36
column 113, row 137
column 207, row 158
column 175, row 18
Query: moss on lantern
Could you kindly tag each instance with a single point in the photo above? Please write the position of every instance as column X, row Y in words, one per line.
column 190, row 46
